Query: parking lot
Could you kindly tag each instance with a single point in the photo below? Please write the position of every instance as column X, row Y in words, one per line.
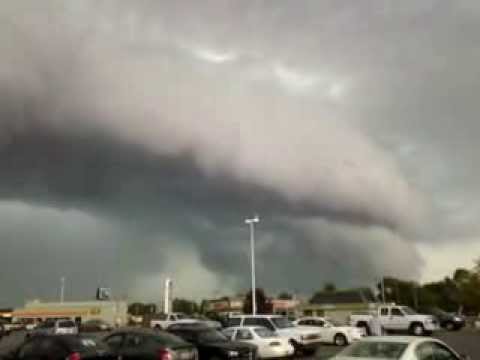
column 464, row 342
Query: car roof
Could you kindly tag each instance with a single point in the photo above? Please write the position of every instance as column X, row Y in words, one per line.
column 245, row 327
column 135, row 330
column 258, row 316
column 399, row 339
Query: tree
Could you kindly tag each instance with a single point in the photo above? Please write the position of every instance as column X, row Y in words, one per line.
column 285, row 296
column 329, row 287
column 136, row 309
column 263, row 307
column 185, row 306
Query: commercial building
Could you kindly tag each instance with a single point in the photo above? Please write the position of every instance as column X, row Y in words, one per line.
column 339, row 305
column 113, row 312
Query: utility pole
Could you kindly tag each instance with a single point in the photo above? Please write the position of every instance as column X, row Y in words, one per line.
column 251, row 223
column 383, row 289
column 62, row 288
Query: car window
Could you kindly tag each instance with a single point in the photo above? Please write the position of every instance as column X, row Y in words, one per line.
column 167, row 339
column 265, row 333
column 396, row 312
column 29, row 349
column 319, row 323
column 424, row 351
column 134, row 340
column 52, row 348
column 231, row 322
column 280, row 323
column 66, row 324
column 229, row 333
column 114, row 341
column 304, row 322
column 384, row 311
column 251, row 321
column 243, row 334
column 375, row 350
column 440, row 352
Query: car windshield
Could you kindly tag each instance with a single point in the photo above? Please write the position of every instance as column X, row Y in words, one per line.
column 408, row 310
column 265, row 333
column 282, row 322
column 375, row 350
column 212, row 336
column 66, row 324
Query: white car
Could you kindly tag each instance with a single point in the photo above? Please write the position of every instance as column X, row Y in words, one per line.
column 304, row 339
column 55, row 327
column 399, row 348
column 164, row 321
column 330, row 332
column 268, row 343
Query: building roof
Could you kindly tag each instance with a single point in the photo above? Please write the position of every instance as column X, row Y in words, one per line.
column 355, row 296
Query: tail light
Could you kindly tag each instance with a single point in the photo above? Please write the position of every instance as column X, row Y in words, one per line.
column 275, row 343
column 74, row 356
column 163, row 354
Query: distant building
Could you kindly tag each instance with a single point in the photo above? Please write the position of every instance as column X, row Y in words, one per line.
column 113, row 312
column 339, row 305
column 224, row 305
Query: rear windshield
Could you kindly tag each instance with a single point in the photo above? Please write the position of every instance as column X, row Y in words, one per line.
column 282, row 322
column 66, row 324
column 168, row 339
column 212, row 336
column 375, row 350
column 81, row 343
column 265, row 333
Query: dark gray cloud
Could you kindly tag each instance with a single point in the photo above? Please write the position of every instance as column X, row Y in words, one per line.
column 135, row 137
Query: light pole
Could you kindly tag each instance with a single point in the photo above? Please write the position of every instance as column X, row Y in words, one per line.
column 62, row 288
column 251, row 223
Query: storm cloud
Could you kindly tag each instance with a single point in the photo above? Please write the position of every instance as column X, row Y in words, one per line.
column 136, row 137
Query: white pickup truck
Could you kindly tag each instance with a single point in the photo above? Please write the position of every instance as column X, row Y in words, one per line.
column 394, row 318
column 163, row 321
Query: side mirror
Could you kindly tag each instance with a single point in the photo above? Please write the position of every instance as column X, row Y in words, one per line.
column 464, row 357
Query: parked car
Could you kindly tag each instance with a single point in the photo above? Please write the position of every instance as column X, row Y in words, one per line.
column 11, row 326
column 398, row 348
column 163, row 321
column 144, row 344
column 303, row 339
column 2, row 331
column 95, row 325
column 395, row 318
column 67, row 347
column 54, row 327
column 212, row 344
column 268, row 343
column 446, row 320
column 332, row 333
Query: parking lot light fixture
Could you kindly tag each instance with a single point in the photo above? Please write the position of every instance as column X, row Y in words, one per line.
column 251, row 223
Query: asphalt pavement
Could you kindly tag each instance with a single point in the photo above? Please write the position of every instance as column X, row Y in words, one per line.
column 464, row 342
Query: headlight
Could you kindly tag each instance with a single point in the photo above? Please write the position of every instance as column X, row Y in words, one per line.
column 457, row 318
column 232, row 353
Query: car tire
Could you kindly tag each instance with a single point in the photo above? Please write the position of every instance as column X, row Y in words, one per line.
column 340, row 340
column 450, row 326
column 157, row 327
column 417, row 329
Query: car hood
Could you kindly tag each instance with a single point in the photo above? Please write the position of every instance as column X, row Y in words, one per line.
column 299, row 330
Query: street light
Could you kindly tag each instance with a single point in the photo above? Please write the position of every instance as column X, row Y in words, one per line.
column 251, row 223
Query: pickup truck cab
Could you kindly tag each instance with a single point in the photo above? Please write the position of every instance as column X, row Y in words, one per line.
column 394, row 318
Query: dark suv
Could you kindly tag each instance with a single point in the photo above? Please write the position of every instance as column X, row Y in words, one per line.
column 447, row 321
column 212, row 344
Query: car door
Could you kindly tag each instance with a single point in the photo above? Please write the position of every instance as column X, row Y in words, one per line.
column 229, row 333
column 398, row 320
column 384, row 317
column 53, row 349
column 326, row 333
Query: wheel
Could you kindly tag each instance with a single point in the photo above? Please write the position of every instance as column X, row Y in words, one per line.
column 450, row 326
column 418, row 330
column 157, row 327
column 340, row 340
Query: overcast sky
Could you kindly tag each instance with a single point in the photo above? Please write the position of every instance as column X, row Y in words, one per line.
column 135, row 137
